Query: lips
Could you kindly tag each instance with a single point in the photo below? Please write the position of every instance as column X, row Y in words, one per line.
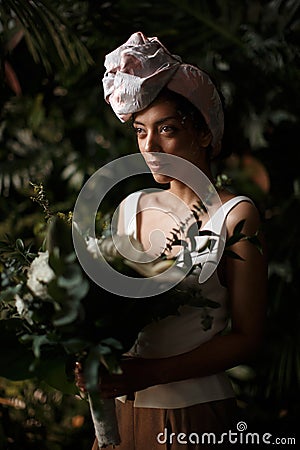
column 156, row 162
column 155, row 166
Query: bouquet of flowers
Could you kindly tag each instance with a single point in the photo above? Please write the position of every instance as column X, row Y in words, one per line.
column 53, row 314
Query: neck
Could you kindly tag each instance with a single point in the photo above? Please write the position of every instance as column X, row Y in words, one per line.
column 184, row 192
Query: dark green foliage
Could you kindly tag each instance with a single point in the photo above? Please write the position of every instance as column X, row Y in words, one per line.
column 56, row 130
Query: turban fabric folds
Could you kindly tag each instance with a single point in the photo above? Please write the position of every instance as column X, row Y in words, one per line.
column 138, row 70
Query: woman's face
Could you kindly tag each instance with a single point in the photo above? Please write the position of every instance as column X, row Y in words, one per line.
column 161, row 129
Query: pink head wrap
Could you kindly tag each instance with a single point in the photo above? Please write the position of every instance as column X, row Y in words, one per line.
column 138, row 70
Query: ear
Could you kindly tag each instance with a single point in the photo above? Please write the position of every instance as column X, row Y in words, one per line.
column 205, row 137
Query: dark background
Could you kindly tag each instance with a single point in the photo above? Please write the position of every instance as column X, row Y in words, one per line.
column 57, row 130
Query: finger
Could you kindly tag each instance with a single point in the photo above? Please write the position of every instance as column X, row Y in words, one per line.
column 79, row 378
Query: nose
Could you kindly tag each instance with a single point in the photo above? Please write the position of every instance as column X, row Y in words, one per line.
column 152, row 142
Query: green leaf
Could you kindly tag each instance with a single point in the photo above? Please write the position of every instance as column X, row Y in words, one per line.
column 236, row 237
column 113, row 343
column 233, row 255
column 20, row 245
column 59, row 235
column 49, row 37
column 187, row 259
column 52, row 370
column 15, row 357
column 67, row 315
column 37, row 342
column 239, row 226
column 255, row 241
column 9, row 293
column 91, row 370
column 75, row 345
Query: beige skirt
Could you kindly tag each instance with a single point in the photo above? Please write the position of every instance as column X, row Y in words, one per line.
column 191, row 428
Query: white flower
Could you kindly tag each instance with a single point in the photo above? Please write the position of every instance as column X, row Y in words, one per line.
column 20, row 305
column 93, row 247
column 39, row 275
column 133, row 254
column 123, row 246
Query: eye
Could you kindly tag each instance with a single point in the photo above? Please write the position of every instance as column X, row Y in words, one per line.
column 139, row 131
column 169, row 129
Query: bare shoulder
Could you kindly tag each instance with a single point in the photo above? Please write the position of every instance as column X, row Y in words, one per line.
column 244, row 210
column 247, row 211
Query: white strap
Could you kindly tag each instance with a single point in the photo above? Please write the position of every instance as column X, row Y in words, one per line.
column 217, row 224
column 227, row 206
column 130, row 212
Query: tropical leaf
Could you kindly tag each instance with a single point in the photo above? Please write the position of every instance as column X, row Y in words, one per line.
column 48, row 35
column 60, row 131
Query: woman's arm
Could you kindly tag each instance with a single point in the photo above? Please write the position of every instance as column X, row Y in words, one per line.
column 247, row 284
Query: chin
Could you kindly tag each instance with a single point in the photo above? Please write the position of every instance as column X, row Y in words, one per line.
column 161, row 179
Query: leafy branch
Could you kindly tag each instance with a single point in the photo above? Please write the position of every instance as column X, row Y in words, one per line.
column 196, row 211
column 238, row 236
column 39, row 196
column 48, row 35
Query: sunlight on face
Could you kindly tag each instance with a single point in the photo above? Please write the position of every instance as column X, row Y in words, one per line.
column 160, row 128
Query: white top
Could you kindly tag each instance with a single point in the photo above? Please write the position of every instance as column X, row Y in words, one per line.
column 178, row 334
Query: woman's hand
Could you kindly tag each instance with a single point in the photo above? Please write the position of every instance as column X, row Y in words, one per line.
column 79, row 378
column 137, row 374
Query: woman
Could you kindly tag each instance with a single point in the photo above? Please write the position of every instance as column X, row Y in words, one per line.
column 174, row 388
